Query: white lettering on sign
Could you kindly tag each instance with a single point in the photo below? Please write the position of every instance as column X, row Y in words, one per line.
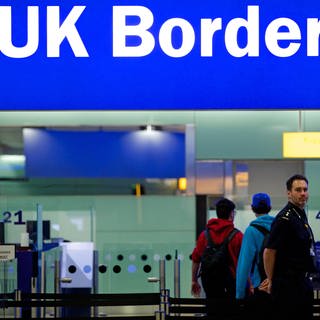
column 121, row 31
column 273, row 36
column 282, row 36
column 165, row 36
column 6, row 46
column 313, row 31
column 56, row 32
column 252, row 27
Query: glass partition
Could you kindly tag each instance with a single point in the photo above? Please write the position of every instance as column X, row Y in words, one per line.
column 8, row 276
column 51, row 259
column 131, row 235
column 135, row 268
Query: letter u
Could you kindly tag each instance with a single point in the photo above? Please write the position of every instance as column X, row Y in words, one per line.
column 6, row 46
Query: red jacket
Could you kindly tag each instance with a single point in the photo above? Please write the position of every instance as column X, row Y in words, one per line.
column 219, row 230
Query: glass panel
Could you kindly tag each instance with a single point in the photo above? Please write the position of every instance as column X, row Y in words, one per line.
column 141, row 229
column 132, row 268
column 70, row 217
column 8, row 276
column 52, row 257
column 134, row 233
column 242, row 134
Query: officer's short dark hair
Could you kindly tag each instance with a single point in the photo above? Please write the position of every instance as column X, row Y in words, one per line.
column 293, row 178
column 224, row 207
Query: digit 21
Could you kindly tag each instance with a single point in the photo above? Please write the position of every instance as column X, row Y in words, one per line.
column 7, row 217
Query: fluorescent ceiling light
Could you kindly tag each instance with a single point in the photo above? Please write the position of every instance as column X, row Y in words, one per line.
column 12, row 158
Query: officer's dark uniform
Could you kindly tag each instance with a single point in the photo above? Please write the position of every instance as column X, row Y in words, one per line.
column 292, row 237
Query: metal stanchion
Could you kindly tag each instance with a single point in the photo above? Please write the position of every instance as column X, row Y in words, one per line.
column 17, row 310
column 39, row 245
column 43, row 282
column 164, row 293
column 95, row 280
column 160, row 315
column 5, row 277
column 177, row 276
column 164, row 301
column 33, row 290
column 162, row 271
column 162, row 276
column 57, row 310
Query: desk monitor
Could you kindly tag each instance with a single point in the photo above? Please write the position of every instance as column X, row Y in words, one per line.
column 32, row 229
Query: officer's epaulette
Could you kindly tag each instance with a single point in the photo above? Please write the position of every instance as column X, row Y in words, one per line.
column 286, row 215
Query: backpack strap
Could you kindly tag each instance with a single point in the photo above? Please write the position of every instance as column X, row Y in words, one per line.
column 231, row 235
column 225, row 241
column 262, row 229
column 209, row 239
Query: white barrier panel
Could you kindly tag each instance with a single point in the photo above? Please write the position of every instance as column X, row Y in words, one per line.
column 77, row 264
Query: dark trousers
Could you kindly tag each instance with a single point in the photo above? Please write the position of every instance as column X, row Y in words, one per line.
column 257, row 306
column 220, row 298
column 292, row 297
column 222, row 309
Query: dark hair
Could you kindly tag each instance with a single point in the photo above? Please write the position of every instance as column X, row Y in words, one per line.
column 224, row 207
column 293, row 178
column 261, row 208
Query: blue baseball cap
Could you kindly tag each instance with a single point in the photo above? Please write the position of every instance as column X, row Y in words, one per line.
column 261, row 199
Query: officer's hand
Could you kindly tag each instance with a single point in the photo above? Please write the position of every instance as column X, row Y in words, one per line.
column 265, row 286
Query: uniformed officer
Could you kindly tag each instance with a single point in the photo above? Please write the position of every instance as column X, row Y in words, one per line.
column 288, row 257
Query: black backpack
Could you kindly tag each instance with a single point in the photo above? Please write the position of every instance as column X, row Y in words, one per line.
column 259, row 259
column 215, row 258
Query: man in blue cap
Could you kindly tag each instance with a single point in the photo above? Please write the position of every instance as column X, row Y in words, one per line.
column 250, row 270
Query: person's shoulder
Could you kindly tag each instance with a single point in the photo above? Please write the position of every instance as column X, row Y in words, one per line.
column 238, row 234
column 211, row 222
column 252, row 226
column 234, row 233
column 285, row 214
column 250, row 232
column 234, row 230
column 263, row 221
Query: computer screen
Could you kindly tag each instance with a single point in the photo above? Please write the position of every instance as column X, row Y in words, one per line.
column 32, row 229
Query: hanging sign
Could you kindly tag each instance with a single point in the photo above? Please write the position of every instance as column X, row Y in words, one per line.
column 159, row 55
column 301, row 145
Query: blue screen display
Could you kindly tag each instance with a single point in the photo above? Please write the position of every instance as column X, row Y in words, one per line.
column 107, row 154
column 159, row 55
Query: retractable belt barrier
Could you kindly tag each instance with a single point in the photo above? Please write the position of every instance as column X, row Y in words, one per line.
column 169, row 308
column 195, row 309
column 80, row 300
column 187, row 308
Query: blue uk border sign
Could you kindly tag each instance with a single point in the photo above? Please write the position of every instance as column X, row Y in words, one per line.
column 159, row 55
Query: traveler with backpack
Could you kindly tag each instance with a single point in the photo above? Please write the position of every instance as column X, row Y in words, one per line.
column 250, row 268
column 215, row 259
